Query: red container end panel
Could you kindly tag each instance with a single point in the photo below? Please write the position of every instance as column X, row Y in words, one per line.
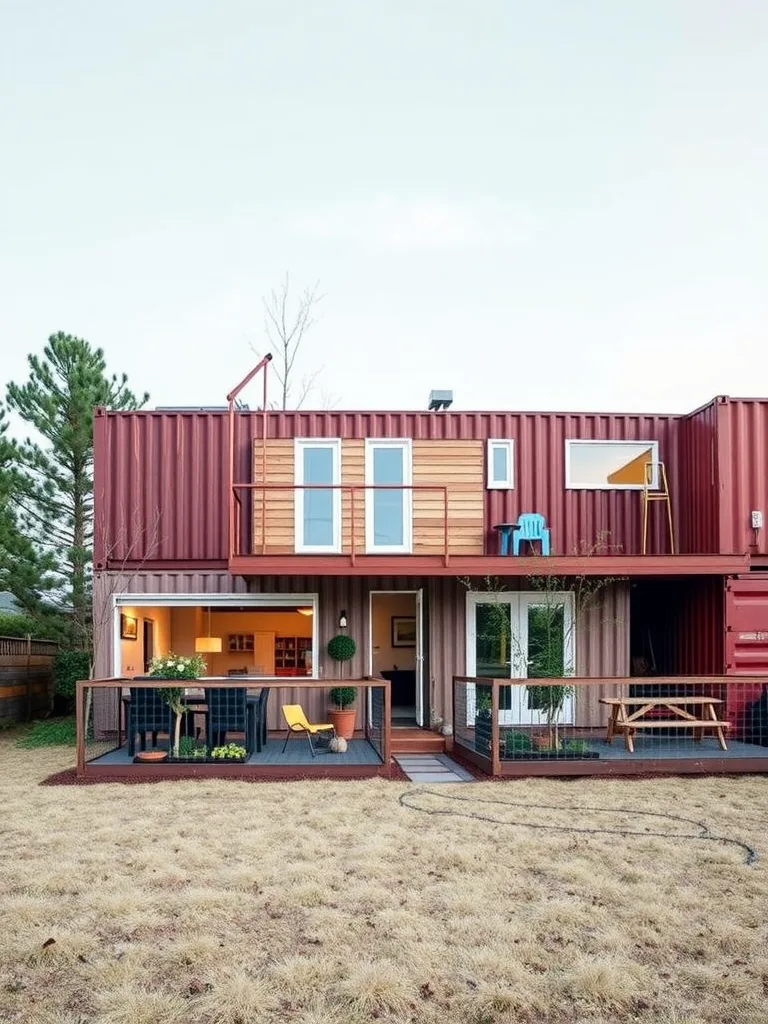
column 746, row 639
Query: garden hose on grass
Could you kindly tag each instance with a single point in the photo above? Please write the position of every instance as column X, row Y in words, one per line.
column 704, row 832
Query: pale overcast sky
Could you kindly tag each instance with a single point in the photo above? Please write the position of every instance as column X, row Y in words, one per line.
column 553, row 205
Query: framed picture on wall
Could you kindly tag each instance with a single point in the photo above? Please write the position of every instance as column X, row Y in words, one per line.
column 129, row 627
column 403, row 630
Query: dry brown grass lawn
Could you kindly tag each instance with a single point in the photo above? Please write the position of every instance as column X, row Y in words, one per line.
column 231, row 903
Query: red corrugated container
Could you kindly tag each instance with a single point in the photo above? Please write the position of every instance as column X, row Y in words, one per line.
column 161, row 477
column 699, row 481
column 743, row 430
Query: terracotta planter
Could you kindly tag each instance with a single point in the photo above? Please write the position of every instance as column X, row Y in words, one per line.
column 151, row 756
column 344, row 722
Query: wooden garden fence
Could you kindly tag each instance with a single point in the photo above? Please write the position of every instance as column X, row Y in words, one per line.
column 26, row 678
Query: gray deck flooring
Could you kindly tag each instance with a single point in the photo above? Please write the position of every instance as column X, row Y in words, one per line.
column 358, row 752
column 673, row 749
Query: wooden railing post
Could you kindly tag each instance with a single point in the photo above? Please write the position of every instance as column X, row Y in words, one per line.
column 79, row 731
column 495, row 731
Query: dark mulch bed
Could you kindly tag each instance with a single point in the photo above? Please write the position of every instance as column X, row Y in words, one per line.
column 69, row 778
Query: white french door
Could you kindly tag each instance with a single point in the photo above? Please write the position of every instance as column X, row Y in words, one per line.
column 520, row 636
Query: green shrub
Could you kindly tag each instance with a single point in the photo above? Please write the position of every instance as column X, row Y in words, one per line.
column 516, row 742
column 21, row 626
column 342, row 647
column 343, row 697
column 68, row 667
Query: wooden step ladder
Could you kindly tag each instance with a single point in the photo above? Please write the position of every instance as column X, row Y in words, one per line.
column 659, row 492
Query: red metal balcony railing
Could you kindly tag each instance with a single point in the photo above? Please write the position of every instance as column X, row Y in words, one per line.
column 355, row 507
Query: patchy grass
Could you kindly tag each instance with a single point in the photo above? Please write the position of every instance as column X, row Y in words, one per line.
column 48, row 732
column 226, row 903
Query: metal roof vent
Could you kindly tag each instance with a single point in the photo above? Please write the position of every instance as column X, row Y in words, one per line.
column 440, row 400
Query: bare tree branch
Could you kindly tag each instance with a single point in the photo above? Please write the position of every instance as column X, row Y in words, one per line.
column 286, row 324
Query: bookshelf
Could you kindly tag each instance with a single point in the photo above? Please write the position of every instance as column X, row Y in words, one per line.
column 291, row 655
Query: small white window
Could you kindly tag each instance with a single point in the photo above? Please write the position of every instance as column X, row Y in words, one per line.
column 317, row 461
column 501, row 465
column 611, row 465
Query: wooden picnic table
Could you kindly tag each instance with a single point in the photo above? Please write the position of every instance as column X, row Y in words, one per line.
column 631, row 713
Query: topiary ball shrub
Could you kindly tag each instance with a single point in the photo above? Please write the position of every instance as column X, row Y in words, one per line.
column 342, row 647
column 342, row 697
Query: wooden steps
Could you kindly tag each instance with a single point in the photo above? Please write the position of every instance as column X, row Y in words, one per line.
column 417, row 741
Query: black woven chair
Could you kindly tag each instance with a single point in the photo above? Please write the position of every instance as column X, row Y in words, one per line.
column 257, row 711
column 227, row 712
column 147, row 713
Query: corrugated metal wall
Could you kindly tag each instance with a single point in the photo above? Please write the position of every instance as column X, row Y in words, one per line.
column 602, row 633
column 699, row 482
column 160, row 477
column 746, row 616
column 743, row 430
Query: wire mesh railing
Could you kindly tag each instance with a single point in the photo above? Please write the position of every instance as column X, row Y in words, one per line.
column 126, row 722
column 720, row 723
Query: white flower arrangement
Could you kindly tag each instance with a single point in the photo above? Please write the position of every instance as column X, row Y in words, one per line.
column 176, row 666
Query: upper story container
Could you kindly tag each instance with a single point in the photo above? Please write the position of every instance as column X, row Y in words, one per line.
column 162, row 491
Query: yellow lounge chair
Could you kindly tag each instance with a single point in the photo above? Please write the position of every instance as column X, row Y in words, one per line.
column 297, row 722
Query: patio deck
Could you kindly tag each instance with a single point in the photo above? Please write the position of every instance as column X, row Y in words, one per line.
column 360, row 759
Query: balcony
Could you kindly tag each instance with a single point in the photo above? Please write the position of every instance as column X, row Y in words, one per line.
column 446, row 532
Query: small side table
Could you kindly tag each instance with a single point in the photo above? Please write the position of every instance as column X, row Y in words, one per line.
column 505, row 536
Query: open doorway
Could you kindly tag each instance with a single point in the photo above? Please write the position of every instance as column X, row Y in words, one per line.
column 397, row 651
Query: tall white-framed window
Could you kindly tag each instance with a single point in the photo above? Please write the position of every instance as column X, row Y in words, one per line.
column 501, row 465
column 389, row 510
column 317, row 460
column 611, row 465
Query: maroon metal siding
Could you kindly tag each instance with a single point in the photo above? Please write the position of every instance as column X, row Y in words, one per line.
column 744, row 472
column 699, row 482
column 161, row 477
column 746, row 632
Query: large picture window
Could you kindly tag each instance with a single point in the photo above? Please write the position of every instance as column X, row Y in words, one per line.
column 318, row 510
column 611, row 465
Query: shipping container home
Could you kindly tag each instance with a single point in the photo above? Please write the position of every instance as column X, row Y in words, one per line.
column 274, row 531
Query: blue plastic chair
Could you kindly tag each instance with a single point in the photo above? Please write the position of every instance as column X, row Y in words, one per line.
column 530, row 527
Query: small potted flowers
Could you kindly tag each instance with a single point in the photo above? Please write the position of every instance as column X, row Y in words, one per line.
column 176, row 666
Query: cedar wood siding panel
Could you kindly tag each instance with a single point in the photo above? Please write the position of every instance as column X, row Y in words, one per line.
column 459, row 465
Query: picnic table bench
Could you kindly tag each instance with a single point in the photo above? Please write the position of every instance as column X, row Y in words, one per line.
column 631, row 713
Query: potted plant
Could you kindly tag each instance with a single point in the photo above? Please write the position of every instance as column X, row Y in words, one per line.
column 343, row 713
column 342, row 648
column 176, row 666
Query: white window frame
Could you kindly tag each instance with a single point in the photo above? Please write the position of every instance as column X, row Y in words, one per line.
column 508, row 484
column 571, row 486
column 250, row 601
column 299, row 446
column 406, row 547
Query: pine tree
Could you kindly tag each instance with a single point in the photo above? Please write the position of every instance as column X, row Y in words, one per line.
column 56, row 494
column 25, row 571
